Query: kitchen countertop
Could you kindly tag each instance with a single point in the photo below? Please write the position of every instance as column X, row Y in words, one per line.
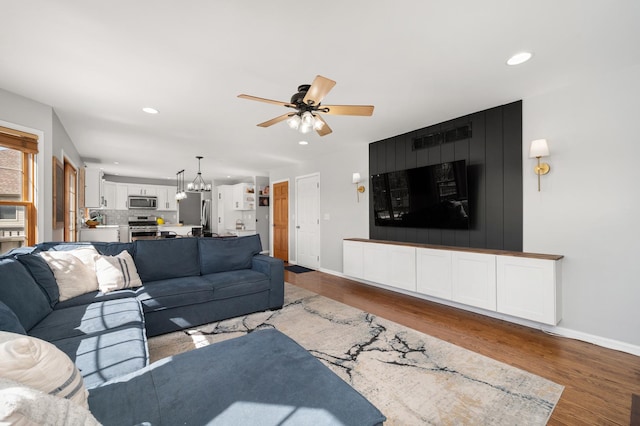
column 101, row 226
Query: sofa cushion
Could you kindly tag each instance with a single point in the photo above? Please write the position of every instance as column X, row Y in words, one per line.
column 9, row 321
column 95, row 296
column 237, row 283
column 24, row 405
column 90, row 319
column 109, row 354
column 74, row 270
column 116, row 272
column 174, row 292
column 20, row 292
column 43, row 275
column 263, row 378
column 41, row 365
column 166, row 258
column 227, row 254
column 109, row 249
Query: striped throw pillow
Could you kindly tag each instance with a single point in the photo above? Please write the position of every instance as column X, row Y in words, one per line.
column 40, row 365
column 117, row 272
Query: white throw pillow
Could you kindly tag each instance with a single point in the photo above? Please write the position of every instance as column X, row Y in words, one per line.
column 74, row 270
column 117, row 272
column 40, row 365
column 24, row 405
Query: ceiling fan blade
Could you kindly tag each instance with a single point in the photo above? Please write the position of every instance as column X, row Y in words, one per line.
column 318, row 90
column 276, row 120
column 269, row 101
column 363, row 110
column 325, row 130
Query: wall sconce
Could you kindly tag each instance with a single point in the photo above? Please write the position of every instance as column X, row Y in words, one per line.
column 359, row 188
column 539, row 148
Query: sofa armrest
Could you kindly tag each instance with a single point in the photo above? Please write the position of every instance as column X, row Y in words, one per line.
column 274, row 268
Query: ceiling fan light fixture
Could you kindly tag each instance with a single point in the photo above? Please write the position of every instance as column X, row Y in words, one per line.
column 317, row 124
column 294, row 121
column 307, row 119
column 305, row 128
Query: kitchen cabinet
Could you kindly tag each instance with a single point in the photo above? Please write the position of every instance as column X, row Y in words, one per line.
column 227, row 214
column 105, row 234
column 244, row 196
column 167, row 198
column 142, row 190
column 353, row 259
column 93, row 197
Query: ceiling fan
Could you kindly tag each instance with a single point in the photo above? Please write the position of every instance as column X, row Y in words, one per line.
column 307, row 103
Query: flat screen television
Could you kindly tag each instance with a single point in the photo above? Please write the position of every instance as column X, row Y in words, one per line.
column 425, row 197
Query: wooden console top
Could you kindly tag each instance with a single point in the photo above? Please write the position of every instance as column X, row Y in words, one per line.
column 464, row 249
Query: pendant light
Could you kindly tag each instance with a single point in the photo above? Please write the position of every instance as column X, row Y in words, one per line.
column 198, row 184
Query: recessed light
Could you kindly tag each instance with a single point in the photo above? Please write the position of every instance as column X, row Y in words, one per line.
column 116, row 163
column 519, row 58
column 303, row 143
column 150, row 110
column 228, row 177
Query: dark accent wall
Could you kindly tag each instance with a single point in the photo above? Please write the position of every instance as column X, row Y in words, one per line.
column 494, row 171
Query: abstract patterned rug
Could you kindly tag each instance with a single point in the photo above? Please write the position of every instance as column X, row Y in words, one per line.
column 413, row 378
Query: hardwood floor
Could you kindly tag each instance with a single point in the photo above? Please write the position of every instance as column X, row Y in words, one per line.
column 599, row 383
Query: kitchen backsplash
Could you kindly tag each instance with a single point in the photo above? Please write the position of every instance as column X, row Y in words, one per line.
column 121, row 217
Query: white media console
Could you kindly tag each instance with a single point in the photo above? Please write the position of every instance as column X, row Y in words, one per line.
column 523, row 285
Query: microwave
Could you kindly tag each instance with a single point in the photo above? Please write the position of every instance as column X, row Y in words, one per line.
column 142, row 202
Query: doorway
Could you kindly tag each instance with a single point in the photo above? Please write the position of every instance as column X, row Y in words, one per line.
column 308, row 221
column 70, row 201
column 281, row 220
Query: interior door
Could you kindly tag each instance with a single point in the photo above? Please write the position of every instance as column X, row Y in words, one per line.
column 281, row 221
column 70, row 201
column 308, row 221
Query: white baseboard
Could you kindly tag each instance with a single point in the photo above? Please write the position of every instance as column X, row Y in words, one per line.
column 555, row 330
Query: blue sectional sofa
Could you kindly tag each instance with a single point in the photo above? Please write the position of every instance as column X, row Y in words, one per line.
column 185, row 282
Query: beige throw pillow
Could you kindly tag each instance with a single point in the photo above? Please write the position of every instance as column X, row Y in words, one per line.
column 74, row 270
column 40, row 365
column 23, row 405
column 117, row 272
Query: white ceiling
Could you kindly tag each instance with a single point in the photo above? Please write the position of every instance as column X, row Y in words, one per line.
column 419, row 62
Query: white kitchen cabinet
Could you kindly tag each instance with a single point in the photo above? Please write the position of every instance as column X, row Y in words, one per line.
column 106, row 234
column 353, row 259
column 227, row 214
column 93, row 197
column 124, row 233
column 474, row 279
column 167, row 198
column 244, row 196
column 150, row 190
column 433, row 273
column 529, row 288
column 115, row 195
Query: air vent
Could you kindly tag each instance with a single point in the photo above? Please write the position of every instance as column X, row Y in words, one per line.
column 439, row 138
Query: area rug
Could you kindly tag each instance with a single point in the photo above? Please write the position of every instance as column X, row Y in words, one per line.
column 413, row 378
column 297, row 269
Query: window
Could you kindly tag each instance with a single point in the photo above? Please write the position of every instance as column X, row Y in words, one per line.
column 17, row 180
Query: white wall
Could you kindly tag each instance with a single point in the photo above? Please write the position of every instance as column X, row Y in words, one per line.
column 346, row 217
column 27, row 115
column 589, row 206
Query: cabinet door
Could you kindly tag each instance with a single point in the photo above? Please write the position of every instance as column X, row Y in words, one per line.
column 527, row 288
column 93, row 188
column 433, row 270
column 121, row 196
column 109, row 190
column 474, row 279
column 375, row 263
column 352, row 259
column 401, row 263
column 172, row 203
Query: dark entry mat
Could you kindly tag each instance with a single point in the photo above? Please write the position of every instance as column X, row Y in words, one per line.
column 297, row 269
